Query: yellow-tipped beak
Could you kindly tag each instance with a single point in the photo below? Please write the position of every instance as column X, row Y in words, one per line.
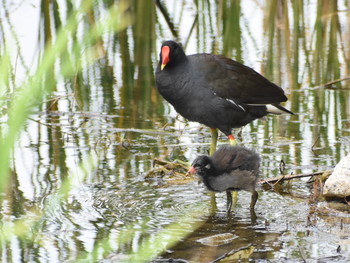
column 162, row 66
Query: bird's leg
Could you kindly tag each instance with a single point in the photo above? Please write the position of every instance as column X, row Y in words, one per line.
column 252, row 205
column 229, row 202
column 255, row 196
column 214, row 139
column 253, row 216
column 232, row 140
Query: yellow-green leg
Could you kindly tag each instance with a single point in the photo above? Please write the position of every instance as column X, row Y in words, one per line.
column 213, row 206
column 234, row 194
column 214, row 140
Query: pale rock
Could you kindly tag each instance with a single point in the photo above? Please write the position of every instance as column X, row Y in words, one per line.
column 338, row 184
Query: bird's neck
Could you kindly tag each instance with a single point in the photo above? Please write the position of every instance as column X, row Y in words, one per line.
column 178, row 64
column 212, row 172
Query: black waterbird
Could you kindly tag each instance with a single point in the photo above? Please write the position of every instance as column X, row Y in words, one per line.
column 215, row 91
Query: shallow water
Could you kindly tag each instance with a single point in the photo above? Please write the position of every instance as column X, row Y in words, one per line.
column 115, row 113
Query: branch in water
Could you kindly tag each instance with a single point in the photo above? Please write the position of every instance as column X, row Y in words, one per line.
column 282, row 178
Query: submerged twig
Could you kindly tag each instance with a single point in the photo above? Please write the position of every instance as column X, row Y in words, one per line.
column 312, row 147
column 282, row 167
column 144, row 131
column 301, row 253
column 287, row 177
column 335, row 81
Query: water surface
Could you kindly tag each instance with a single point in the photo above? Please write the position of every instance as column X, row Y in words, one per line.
column 112, row 110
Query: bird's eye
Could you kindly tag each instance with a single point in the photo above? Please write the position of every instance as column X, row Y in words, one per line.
column 207, row 166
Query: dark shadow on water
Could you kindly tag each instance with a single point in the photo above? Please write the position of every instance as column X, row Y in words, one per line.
column 220, row 235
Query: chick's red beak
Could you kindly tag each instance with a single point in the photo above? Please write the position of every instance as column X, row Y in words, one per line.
column 191, row 171
column 165, row 56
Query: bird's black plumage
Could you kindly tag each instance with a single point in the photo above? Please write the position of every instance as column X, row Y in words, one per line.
column 213, row 90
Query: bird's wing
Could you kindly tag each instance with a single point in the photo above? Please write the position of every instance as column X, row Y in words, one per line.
column 228, row 158
column 230, row 79
column 223, row 157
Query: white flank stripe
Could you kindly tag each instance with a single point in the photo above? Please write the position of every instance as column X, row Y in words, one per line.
column 234, row 103
column 241, row 107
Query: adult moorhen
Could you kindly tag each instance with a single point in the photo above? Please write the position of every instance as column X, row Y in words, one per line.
column 230, row 168
column 215, row 91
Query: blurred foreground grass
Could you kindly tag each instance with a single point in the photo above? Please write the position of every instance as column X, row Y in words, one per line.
column 73, row 52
